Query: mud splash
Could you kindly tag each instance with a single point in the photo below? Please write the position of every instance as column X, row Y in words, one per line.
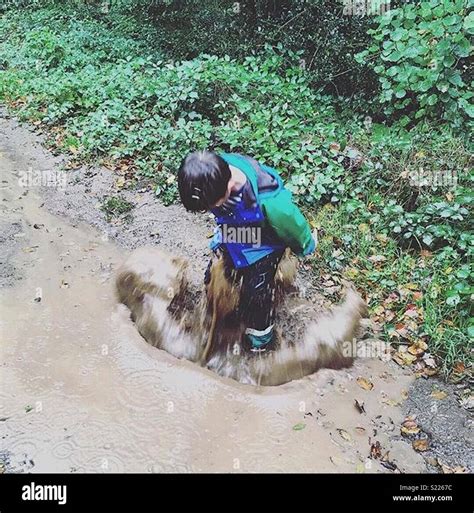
column 82, row 391
column 151, row 281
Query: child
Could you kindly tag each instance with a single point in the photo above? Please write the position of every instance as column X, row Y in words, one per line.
column 256, row 220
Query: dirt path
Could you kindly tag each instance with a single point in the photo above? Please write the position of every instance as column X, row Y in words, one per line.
column 81, row 391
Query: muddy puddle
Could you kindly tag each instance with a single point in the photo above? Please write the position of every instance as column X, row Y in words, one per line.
column 81, row 391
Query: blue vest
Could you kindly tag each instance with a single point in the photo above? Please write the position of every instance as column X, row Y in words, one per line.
column 244, row 254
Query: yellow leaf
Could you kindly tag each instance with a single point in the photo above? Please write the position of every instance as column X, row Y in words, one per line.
column 404, row 358
column 410, row 286
column 383, row 239
column 365, row 383
column 409, row 427
column 421, row 445
column 351, row 273
column 418, row 348
column 439, row 394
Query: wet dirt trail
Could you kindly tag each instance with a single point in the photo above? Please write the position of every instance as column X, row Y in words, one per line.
column 81, row 391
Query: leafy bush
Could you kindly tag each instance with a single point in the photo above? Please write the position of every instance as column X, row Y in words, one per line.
column 319, row 31
column 141, row 106
column 421, row 183
column 420, row 53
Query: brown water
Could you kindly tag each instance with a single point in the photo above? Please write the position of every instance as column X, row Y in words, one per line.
column 82, row 391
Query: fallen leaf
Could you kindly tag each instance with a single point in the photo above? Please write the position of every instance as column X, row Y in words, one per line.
column 381, row 238
column 409, row 427
column 351, row 273
column 365, row 383
column 299, row 427
column 418, row 348
column 376, row 259
column 421, row 445
column 375, row 450
column 439, row 394
column 410, row 286
column 412, row 312
column 429, row 360
column 403, row 358
column 391, row 402
column 360, row 430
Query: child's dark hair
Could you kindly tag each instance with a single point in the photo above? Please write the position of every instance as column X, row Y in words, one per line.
column 202, row 180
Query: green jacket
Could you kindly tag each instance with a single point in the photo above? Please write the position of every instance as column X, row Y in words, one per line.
column 281, row 214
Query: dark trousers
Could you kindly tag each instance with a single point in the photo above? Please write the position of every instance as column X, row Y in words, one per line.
column 257, row 294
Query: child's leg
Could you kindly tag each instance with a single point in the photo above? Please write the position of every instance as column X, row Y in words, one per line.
column 227, row 294
column 257, row 300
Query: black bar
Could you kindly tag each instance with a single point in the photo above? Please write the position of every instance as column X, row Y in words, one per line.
column 242, row 493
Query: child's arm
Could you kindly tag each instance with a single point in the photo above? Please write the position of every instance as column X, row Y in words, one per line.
column 289, row 223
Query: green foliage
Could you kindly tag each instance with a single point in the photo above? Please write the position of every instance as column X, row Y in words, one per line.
column 109, row 103
column 353, row 242
column 318, row 30
column 420, row 182
column 420, row 53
